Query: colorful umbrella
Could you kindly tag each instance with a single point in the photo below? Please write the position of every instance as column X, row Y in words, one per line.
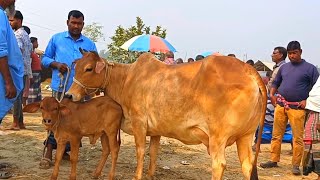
column 208, row 53
column 146, row 42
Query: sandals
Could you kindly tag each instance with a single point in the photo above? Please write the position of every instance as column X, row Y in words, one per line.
column 5, row 175
column 4, row 165
column 45, row 163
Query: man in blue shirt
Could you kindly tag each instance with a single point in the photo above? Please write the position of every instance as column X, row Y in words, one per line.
column 293, row 84
column 62, row 50
column 11, row 65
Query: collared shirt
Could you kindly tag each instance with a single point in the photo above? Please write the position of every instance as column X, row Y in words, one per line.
column 274, row 73
column 9, row 48
column 295, row 80
column 63, row 48
column 25, row 45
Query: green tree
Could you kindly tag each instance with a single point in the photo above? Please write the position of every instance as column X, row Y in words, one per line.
column 93, row 31
column 124, row 34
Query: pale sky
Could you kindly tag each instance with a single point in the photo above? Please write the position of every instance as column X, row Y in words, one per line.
column 252, row 27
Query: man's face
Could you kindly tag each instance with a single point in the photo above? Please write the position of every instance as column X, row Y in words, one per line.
column 15, row 23
column 295, row 55
column 276, row 56
column 75, row 25
column 35, row 44
column 9, row 7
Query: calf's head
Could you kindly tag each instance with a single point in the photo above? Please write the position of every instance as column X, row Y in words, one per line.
column 51, row 110
column 90, row 75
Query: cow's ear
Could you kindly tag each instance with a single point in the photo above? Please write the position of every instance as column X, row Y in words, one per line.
column 64, row 110
column 32, row 108
column 99, row 66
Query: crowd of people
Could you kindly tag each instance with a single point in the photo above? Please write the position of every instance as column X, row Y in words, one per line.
column 294, row 87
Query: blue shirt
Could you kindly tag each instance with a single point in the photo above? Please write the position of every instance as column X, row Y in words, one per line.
column 63, row 48
column 9, row 48
column 295, row 80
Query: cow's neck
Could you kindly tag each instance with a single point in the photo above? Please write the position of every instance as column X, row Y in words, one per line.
column 118, row 76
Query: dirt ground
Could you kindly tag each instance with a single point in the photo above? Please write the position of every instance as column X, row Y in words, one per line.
column 23, row 150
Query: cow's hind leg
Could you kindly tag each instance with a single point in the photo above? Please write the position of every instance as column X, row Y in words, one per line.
column 217, row 152
column 154, row 146
column 105, row 152
column 245, row 154
column 202, row 136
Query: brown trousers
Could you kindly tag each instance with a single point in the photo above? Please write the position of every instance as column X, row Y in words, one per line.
column 296, row 119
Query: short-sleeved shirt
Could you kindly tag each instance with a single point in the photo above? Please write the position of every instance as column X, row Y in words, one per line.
column 63, row 48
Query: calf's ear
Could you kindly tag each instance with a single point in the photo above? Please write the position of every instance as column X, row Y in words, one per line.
column 32, row 108
column 64, row 110
column 99, row 66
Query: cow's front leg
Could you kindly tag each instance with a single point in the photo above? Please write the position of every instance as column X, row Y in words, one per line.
column 75, row 144
column 139, row 128
column 61, row 145
column 217, row 151
column 154, row 146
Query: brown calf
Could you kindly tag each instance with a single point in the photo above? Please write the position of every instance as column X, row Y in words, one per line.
column 70, row 121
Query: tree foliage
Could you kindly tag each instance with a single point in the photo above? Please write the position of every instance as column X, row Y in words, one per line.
column 93, row 31
column 124, row 34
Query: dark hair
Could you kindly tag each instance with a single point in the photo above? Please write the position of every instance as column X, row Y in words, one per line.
column 190, row 59
column 232, row 55
column 199, row 57
column 18, row 15
column 250, row 61
column 33, row 39
column 27, row 29
column 282, row 51
column 76, row 14
column 269, row 74
column 169, row 54
column 293, row 45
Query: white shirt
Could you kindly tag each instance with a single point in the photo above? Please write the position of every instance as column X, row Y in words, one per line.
column 313, row 101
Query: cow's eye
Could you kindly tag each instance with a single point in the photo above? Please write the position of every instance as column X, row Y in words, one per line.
column 89, row 69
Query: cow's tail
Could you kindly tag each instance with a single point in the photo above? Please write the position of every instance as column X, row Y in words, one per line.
column 119, row 137
column 263, row 92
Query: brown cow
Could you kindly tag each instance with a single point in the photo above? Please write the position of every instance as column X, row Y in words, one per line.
column 70, row 121
column 217, row 101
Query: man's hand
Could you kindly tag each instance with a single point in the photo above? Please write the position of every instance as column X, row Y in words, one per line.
column 62, row 67
column 273, row 100
column 303, row 104
column 11, row 90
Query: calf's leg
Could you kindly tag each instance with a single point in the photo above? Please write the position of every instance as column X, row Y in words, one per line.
column 60, row 150
column 245, row 154
column 154, row 146
column 75, row 144
column 104, row 156
column 114, row 147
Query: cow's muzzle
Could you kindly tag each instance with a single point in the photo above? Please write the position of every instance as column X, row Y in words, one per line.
column 47, row 122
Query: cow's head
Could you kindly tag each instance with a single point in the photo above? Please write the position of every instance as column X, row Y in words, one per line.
column 51, row 110
column 90, row 75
